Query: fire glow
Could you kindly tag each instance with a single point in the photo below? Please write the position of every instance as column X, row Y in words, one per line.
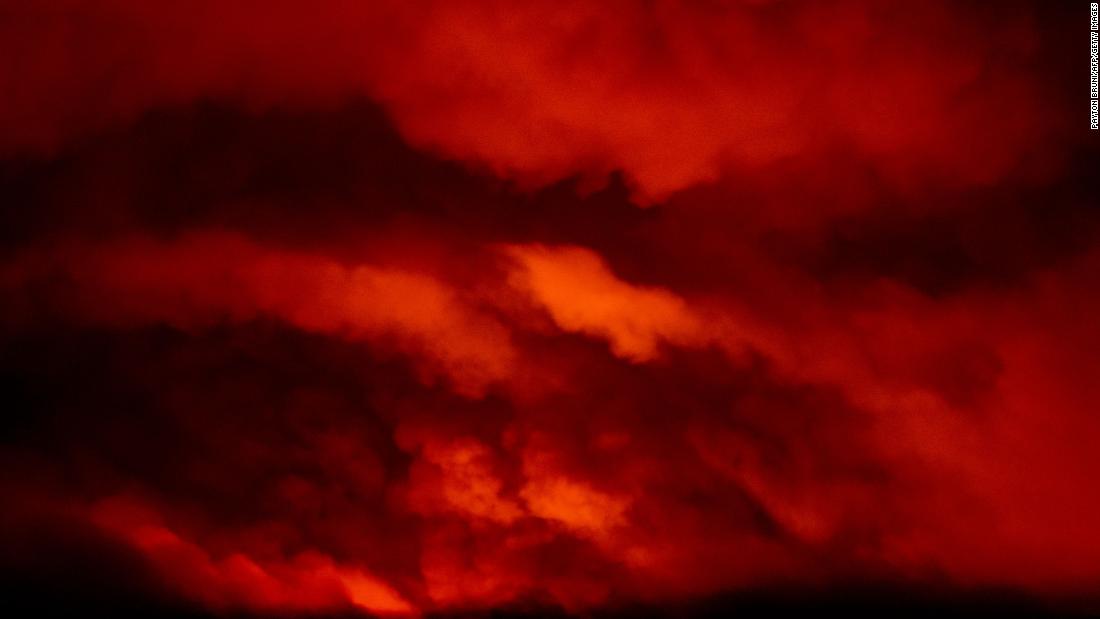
column 426, row 307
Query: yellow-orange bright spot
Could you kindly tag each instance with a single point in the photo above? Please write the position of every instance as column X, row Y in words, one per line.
column 373, row 595
column 575, row 505
column 582, row 295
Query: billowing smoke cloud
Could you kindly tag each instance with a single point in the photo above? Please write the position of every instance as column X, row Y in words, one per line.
column 672, row 94
column 427, row 307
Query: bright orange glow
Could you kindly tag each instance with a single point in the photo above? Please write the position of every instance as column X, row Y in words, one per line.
column 583, row 296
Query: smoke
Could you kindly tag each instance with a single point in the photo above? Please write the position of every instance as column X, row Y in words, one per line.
column 406, row 308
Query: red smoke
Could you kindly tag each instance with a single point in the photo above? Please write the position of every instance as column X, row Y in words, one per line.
column 416, row 307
